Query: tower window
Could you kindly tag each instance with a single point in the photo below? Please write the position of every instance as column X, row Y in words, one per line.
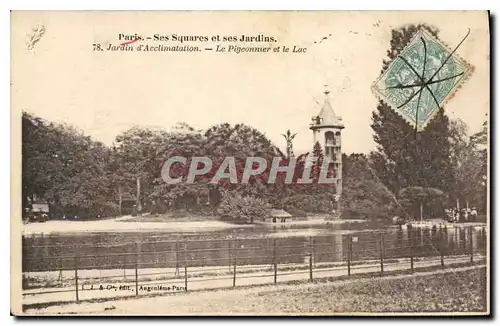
column 329, row 139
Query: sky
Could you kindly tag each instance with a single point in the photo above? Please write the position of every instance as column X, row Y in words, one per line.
column 105, row 93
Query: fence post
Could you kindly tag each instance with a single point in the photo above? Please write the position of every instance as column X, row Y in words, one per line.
column 185, row 253
column 314, row 252
column 136, row 277
column 229, row 255
column 136, row 270
column 176, row 258
column 484, row 242
column 441, row 246
column 76, row 278
column 412, row 239
column 471, row 244
column 349, row 254
column 382, row 250
column 274, row 262
column 311, row 250
column 124, row 267
column 60, row 265
column 235, row 253
column 185, row 278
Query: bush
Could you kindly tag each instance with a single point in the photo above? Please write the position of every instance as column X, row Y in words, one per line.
column 180, row 213
column 367, row 199
column 430, row 200
column 159, row 207
column 107, row 209
column 242, row 209
column 320, row 203
column 296, row 212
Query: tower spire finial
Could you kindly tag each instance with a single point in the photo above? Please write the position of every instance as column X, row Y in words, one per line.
column 327, row 91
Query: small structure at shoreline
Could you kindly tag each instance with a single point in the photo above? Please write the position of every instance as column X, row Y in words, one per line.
column 278, row 215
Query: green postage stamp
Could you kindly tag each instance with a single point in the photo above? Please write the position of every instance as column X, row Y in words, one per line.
column 421, row 79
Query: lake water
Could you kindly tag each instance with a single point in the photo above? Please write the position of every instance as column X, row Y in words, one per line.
column 261, row 244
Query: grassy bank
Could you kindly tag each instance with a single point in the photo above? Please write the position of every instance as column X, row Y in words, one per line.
column 454, row 291
column 450, row 292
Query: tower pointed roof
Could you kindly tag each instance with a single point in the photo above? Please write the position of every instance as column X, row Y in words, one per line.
column 327, row 117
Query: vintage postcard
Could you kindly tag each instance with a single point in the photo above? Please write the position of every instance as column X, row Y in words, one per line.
column 250, row 163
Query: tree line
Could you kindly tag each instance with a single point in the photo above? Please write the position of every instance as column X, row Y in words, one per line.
column 405, row 175
column 78, row 175
column 439, row 166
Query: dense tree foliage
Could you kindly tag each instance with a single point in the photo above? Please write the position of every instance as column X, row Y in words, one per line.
column 418, row 200
column 74, row 173
column 237, row 208
column 439, row 159
column 364, row 195
column 66, row 168
column 403, row 157
column 470, row 158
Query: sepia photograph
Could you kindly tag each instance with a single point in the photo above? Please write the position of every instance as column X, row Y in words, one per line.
column 250, row 163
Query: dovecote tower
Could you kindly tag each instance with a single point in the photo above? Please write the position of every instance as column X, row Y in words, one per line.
column 327, row 130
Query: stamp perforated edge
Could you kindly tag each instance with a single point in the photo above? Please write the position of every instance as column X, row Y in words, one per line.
column 469, row 69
